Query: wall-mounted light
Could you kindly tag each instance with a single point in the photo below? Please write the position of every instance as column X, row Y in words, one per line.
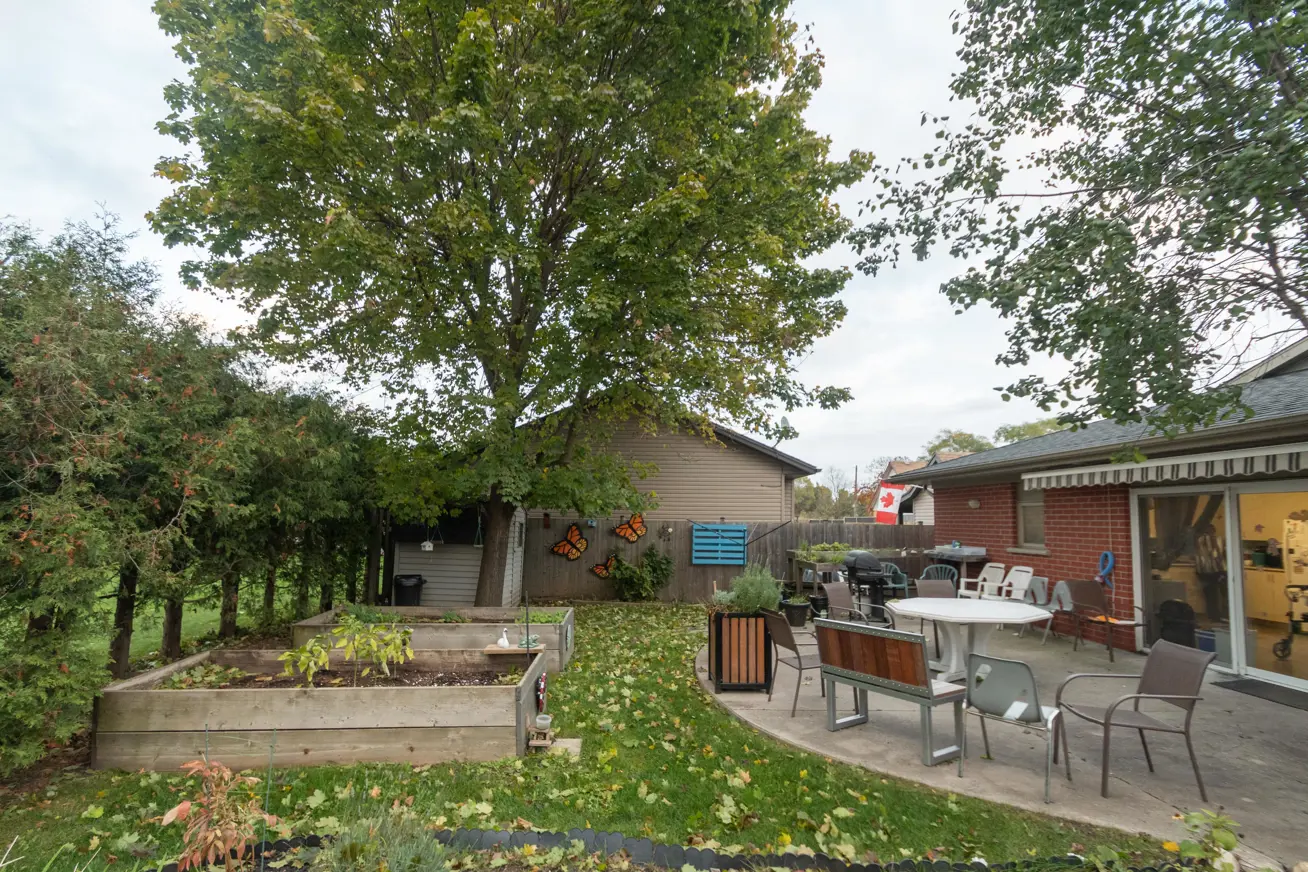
column 974, row 504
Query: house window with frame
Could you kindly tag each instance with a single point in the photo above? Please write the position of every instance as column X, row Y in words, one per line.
column 1030, row 518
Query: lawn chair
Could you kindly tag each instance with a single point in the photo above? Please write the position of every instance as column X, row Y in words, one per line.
column 896, row 583
column 941, row 570
column 1173, row 674
column 1014, row 586
column 783, row 637
column 935, row 588
column 1090, row 606
column 840, row 605
column 991, row 576
column 1008, row 693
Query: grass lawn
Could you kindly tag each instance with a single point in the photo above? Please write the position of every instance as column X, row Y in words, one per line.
column 660, row 759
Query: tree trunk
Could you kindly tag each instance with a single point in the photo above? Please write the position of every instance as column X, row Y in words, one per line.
column 327, row 587
column 172, row 630
column 352, row 577
column 388, row 564
column 302, row 588
column 231, row 585
column 495, row 550
column 372, row 572
column 270, row 593
column 120, row 647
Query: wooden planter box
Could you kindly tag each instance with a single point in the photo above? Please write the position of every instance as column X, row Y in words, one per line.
column 739, row 652
column 138, row 727
column 483, row 629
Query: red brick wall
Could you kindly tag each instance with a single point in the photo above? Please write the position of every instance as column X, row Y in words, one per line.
column 1080, row 523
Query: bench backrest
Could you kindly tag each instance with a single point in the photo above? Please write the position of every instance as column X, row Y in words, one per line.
column 893, row 659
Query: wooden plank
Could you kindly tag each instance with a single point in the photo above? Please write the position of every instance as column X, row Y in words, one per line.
column 250, row 749
column 153, row 676
column 524, row 704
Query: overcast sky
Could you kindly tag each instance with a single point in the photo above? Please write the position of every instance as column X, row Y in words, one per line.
column 82, row 90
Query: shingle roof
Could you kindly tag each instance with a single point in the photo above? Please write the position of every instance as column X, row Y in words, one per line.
column 1271, row 399
column 799, row 467
column 895, row 467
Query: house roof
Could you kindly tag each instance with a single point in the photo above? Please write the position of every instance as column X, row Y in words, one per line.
column 795, row 465
column 1278, row 403
column 895, row 467
column 946, row 456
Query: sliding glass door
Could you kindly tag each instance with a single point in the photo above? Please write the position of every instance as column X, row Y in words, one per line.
column 1185, row 595
column 1274, row 568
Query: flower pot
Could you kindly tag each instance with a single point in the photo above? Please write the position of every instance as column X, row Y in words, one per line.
column 796, row 613
column 739, row 652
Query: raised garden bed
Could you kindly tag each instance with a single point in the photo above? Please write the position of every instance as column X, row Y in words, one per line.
column 438, row 629
column 140, row 725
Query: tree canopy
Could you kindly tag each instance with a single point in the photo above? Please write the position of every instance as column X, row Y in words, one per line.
column 1017, row 432
column 955, row 440
column 527, row 220
column 1132, row 193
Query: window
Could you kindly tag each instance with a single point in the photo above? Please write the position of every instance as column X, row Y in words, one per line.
column 1030, row 518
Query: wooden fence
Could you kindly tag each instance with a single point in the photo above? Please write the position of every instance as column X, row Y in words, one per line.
column 547, row 576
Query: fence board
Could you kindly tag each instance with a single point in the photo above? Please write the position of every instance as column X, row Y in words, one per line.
column 547, row 576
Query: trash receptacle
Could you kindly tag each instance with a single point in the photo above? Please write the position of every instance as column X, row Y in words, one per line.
column 408, row 590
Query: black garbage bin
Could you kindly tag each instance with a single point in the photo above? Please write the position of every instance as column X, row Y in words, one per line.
column 408, row 590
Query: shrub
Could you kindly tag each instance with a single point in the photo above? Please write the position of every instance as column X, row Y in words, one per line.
column 366, row 614
column 308, row 659
column 641, row 581
column 752, row 591
column 221, row 820
column 396, row 842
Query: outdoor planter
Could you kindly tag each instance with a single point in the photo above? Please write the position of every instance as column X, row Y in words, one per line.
column 483, row 628
column 139, row 726
column 796, row 612
column 740, row 652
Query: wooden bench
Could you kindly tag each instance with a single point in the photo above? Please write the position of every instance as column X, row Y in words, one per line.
column 892, row 663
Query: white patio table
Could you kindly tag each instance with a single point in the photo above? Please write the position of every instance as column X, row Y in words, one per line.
column 980, row 617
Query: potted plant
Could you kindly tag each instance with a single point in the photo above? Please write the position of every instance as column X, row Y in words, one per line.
column 740, row 646
column 796, row 609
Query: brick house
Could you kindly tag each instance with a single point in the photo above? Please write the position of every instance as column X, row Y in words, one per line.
column 1209, row 533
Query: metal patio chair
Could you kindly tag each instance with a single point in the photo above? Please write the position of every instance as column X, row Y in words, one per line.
column 1172, row 674
column 935, row 588
column 783, row 637
column 1090, row 606
column 841, row 607
column 1008, row 693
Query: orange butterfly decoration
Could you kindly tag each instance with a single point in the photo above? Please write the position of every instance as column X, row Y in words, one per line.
column 573, row 544
column 633, row 529
column 605, row 569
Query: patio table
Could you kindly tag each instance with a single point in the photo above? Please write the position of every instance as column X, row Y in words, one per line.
column 980, row 617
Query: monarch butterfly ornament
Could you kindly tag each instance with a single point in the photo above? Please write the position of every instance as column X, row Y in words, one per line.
column 605, row 569
column 633, row 528
column 573, row 544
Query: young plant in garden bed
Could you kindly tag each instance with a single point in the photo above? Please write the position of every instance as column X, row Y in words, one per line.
column 310, row 658
column 379, row 645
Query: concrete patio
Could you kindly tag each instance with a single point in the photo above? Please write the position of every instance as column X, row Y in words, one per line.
column 1251, row 751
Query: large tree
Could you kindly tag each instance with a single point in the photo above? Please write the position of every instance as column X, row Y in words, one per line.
column 1132, row 191
column 526, row 219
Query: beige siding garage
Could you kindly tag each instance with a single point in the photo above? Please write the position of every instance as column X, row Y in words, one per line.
column 450, row 572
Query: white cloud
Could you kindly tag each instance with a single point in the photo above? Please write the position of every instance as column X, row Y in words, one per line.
column 83, row 82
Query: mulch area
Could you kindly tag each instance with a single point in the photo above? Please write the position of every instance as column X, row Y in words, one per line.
column 405, row 676
column 34, row 778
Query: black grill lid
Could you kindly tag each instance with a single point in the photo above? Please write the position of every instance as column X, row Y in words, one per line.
column 863, row 562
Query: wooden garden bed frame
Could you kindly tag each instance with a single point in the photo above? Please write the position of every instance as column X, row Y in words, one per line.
column 138, row 727
column 484, row 629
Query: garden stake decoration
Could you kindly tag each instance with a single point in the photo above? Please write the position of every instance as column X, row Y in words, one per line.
column 573, row 544
column 605, row 569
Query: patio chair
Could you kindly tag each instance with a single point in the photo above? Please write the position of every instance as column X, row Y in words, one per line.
column 935, row 588
column 1013, row 587
column 1090, row 606
column 840, row 605
column 1008, row 693
column 783, row 637
column 991, row 576
column 1172, row 674
column 896, row 583
column 1037, row 594
column 941, row 570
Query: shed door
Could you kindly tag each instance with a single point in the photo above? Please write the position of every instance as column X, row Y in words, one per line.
column 450, row 570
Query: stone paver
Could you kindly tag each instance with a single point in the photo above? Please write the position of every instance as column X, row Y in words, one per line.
column 1251, row 751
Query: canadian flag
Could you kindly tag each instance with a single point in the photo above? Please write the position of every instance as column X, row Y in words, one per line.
column 888, row 498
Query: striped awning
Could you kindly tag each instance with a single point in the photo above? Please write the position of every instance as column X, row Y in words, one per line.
column 1268, row 460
